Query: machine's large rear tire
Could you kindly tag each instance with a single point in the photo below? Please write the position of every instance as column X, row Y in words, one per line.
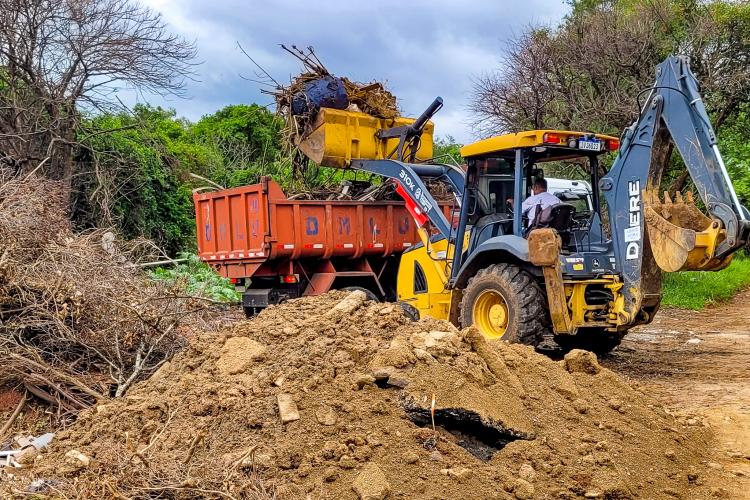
column 505, row 302
column 596, row 340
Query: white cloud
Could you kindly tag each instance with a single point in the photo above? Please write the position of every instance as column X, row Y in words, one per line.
column 422, row 48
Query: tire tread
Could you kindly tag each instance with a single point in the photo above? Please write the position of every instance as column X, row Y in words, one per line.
column 534, row 320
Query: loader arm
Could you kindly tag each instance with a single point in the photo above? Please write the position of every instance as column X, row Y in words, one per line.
column 648, row 232
column 408, row 176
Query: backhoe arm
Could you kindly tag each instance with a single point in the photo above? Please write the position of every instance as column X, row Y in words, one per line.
column 674, row 235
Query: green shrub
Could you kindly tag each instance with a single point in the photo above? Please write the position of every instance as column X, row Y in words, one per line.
column 198, row 279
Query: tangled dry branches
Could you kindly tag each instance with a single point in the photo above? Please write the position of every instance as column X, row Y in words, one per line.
column 78, row 322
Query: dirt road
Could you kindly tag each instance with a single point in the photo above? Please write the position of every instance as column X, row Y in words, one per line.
column 698, row 364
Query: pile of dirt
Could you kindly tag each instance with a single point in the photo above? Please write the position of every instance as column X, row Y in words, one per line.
column 336, row 397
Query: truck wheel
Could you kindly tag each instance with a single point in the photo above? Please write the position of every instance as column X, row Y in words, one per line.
column 595, row 340
column 368, row 293
column 504, row 302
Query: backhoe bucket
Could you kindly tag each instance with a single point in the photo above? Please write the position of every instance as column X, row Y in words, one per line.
column 682, row 238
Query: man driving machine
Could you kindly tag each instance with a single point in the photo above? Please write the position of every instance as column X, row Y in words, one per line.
column 538, row 201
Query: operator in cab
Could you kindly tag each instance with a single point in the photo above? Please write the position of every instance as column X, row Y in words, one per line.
column 538, row 201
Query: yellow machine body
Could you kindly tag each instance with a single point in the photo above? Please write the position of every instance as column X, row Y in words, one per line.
column 528, row 139
column 338, row 136
column 423, row 277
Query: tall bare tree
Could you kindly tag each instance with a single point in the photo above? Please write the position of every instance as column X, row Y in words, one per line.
column 59, row 56
column 586, row 73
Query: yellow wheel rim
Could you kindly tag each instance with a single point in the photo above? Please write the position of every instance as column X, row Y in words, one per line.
column 490, row 314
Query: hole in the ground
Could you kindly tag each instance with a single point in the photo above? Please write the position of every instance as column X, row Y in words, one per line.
column 471, row 433
column 382, row 383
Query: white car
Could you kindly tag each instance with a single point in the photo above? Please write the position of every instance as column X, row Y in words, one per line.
column 576, row 193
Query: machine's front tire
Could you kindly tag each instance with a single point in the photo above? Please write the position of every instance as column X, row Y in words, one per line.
column 410, row 311
column 505, row 302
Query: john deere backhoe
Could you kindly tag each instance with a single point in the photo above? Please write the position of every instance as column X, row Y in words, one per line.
column 585, row 278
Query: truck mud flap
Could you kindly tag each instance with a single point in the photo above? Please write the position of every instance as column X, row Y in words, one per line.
column 264, row 297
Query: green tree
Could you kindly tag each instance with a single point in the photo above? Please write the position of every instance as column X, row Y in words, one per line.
column 447, row 150
column 585, row 73
column 248, row 139
column 134, row 168
column 57, row 56
column 735, row 147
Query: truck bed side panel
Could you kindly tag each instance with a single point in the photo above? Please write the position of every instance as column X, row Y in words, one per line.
column 243, row 227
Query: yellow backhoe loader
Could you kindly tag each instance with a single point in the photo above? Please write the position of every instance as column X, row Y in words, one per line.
column 575, row 277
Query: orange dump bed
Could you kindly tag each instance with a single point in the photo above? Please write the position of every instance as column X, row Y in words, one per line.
column 239, row 229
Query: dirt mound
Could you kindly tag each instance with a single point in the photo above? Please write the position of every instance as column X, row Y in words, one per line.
column 335, row 397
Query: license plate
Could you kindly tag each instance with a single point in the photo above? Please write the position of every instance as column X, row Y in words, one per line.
column 590, row 145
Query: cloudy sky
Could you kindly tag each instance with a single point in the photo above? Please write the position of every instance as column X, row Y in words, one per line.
column 421, row 48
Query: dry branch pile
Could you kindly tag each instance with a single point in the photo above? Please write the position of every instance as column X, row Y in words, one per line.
column 78, row 322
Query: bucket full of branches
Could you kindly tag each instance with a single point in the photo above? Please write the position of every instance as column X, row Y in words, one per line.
column 332, row 120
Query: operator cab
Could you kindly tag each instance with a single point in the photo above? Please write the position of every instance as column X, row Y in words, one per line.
column 501, row 171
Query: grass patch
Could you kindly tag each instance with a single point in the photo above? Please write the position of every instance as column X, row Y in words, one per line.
column 695, row 290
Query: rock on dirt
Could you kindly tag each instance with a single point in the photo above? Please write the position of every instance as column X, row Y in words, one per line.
column 411, row 457
column 238, row 353
column 77, row 460
column 371, row 483
column 287, row 408
column 523, row 489
column 326, row 415
column 347, row 306
column 527, row 473
column 580, row 361
column 461, row 474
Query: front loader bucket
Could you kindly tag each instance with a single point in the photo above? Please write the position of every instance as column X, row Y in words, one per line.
column 338, row 136
column 682, row 238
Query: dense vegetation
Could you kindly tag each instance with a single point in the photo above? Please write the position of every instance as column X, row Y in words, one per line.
column 197, row 278
column 137, row 165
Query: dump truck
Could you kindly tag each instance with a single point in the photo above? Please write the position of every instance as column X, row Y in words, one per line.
column 571, row 278
column 274, row 248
